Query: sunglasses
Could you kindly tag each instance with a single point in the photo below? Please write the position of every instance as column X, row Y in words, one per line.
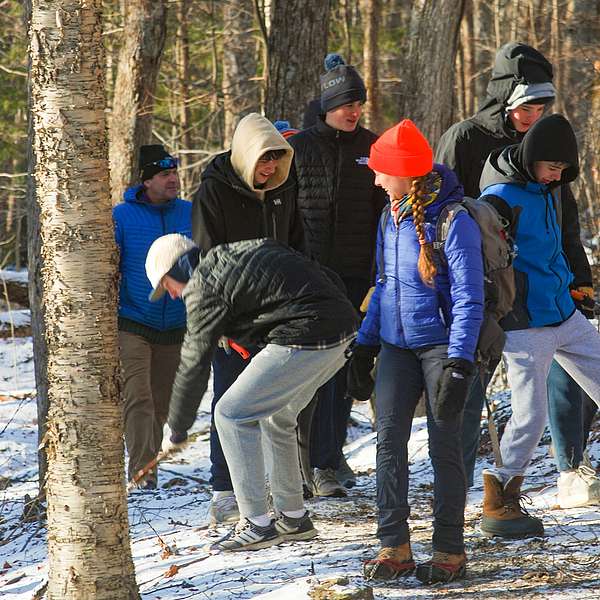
column 164, row 163
column 271, row 155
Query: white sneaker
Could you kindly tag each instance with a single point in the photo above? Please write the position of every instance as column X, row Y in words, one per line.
column 224, row 508
column 578, row 487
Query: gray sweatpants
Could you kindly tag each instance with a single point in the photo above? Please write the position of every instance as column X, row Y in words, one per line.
column 256, row 421
column 575, row 345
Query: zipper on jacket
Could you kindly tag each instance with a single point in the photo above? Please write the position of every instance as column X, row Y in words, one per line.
column 336, row 187
column 274, row 219
column 164, row 303
column 557, row 249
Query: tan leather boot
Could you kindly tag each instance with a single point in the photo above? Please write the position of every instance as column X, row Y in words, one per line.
column 503, row 514
column 443, row 567
column 391, row 562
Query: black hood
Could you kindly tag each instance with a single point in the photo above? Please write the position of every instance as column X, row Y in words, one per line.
column 551, row 138
column 515, row 63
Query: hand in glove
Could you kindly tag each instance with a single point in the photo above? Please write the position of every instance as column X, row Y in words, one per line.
column 173, row 441
column 453, row 388
column 359, row 382
column 584, row 300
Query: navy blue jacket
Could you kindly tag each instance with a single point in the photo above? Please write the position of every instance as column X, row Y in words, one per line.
column 407, row 313
column 137, row 224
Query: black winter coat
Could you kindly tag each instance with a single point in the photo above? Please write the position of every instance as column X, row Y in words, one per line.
column 465, row 146
column 337, row 197
column 254, row 292
column 224, row 210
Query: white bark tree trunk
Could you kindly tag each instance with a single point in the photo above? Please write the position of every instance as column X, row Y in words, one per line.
column 88, row 538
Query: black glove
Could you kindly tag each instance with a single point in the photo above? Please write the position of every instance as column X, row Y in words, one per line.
column 453, row 388
column 359, row 382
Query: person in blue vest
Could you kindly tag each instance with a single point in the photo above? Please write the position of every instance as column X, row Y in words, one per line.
column 520, row 181
column 423, row 321
column 150, row 334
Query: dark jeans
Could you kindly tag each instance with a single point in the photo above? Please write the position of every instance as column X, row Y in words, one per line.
column 568, row 428
column 570, row 414
column 401, row 377
column 330, row 421
column 226, row 369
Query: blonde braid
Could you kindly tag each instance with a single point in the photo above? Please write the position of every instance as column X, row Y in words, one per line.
column 426, row 264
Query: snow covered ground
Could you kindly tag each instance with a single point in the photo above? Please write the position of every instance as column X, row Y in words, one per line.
column 169, row 527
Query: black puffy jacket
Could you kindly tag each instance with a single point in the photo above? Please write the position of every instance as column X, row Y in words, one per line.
column 339, row 202
column 225, row 210
column 465, row 146
column 254, row 292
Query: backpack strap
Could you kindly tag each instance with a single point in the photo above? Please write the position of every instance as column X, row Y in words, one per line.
column 442, row 226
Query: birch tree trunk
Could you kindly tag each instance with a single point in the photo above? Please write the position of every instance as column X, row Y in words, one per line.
column 135, row 89
column 240, row 88
column 297, row 47
column 428, row 90
column 88, row 538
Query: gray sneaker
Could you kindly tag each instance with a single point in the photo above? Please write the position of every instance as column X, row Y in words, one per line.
column 345, row 475
column 224, row 509
column 247, row 535
column 324, row 483
column 290, row 528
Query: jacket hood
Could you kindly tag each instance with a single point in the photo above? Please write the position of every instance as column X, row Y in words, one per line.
column 221, row 169
column 515, row 64
column 500, row 168
column 451, row 190
column 253, row 136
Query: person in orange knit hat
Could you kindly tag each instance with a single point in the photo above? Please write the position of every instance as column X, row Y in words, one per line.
column 423, row 321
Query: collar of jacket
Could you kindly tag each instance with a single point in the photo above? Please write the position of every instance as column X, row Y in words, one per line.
column 136, row 194
column 330, row 132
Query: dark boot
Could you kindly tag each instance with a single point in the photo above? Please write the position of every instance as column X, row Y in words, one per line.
column 442, row 568
column 503, row 514
column 391, row 562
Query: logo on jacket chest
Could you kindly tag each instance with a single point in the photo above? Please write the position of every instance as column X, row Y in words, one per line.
column 277, row 202
column 362, row 160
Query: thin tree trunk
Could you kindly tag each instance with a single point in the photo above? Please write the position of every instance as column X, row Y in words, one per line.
column 183, row 76
column 240, row 89
column 88, row 539
column 428, row 89
column 297, row 47
column 135, row 89
column 371, row 17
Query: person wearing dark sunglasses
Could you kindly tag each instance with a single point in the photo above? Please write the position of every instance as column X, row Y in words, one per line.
column 150, row 334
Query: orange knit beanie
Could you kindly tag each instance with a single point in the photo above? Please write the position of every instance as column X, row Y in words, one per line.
column 402, row 151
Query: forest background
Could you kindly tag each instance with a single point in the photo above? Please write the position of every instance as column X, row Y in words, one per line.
column 182, row 73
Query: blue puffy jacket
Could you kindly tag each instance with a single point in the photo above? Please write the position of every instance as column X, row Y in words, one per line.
column 137, row 224
column 407, row 313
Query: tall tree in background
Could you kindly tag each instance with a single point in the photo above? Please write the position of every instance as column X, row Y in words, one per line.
column 428, row 73
column 88, row 538
column 371, row 13
column 240, row 86
column 297, row 44
column 135, row 89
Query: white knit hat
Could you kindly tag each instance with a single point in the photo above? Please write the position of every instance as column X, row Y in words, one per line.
column 163, row 254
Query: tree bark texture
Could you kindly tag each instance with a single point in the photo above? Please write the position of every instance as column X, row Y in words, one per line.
column 240, row 86
column 297, row 47
column 88, row 538
column 371, row 17
column 428, row 89
column 135, row 90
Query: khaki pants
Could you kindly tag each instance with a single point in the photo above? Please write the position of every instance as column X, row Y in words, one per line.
column 148, row 374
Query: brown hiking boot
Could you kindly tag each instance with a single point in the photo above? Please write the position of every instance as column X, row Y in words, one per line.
column 391, row 562
column 443, row 567
column 503, row 513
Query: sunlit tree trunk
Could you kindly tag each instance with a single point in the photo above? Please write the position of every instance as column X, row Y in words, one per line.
column 297, row 47
column 135, row 89
column 371, row 17
column 240, row 88
column 428, row 90
column 88, row 539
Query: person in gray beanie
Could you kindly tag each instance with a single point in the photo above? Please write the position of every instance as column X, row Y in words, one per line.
column 340, row 207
